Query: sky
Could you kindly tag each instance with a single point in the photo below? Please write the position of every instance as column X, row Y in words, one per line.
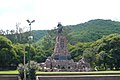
column 47, row 13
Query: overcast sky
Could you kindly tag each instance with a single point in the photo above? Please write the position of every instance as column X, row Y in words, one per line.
column 47, row 13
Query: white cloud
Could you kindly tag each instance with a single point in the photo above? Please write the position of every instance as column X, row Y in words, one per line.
column 48, row 12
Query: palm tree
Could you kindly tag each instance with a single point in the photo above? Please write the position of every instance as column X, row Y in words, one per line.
column 12, row 31
column 7, row 31
column 1, row 32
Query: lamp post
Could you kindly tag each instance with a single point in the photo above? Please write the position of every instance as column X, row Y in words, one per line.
column 24, row 65
column 30, row 37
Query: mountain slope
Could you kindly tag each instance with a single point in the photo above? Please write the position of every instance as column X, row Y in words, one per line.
column 93, row 30
column 38, row 34
column 86, row 32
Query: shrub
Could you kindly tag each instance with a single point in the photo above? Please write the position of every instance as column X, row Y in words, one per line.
column 34, row 66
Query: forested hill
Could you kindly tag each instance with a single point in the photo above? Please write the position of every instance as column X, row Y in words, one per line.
column 89, row 31
column 94, row 40
column 38, row 34
column 93, row 30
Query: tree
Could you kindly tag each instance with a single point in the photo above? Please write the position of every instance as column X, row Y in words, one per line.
column 107, row 52
column 44, row 49
column 77, row 50
column 90, row 56
column 22, row 49
column 12, row 31
column 2, row 32
column 101, row 60
column 7, row 53
column 7, row 32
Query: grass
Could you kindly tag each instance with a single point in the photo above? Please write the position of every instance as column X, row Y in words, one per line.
column 80, row 73
column 9, row 72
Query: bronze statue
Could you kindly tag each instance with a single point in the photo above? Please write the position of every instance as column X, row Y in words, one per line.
column 60, row 28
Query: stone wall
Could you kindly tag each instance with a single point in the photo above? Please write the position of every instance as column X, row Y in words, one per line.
column 66, row 77
column 79, row 77
column 9, row 77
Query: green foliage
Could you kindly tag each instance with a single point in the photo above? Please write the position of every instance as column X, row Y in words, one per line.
column 21, row 71
column 38, row 34
column 86, row 32
column 34, row 66
column 18, row 38
column 44, row 49
column 23, row 37
column 89, row 56
column 77, row 50
column 7, row 53
column 78, row 36
column 106, row 52
column 89, row 40
column 92, row 30
column 22, row 49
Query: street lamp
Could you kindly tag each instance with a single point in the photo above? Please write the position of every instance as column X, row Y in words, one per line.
column 30, row 38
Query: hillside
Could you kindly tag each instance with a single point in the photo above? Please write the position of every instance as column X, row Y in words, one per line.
column 92, row 30
column 89, row 31
column 93, row 40
column 38, row 34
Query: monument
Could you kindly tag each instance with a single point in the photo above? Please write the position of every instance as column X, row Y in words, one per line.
column 61, row 60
